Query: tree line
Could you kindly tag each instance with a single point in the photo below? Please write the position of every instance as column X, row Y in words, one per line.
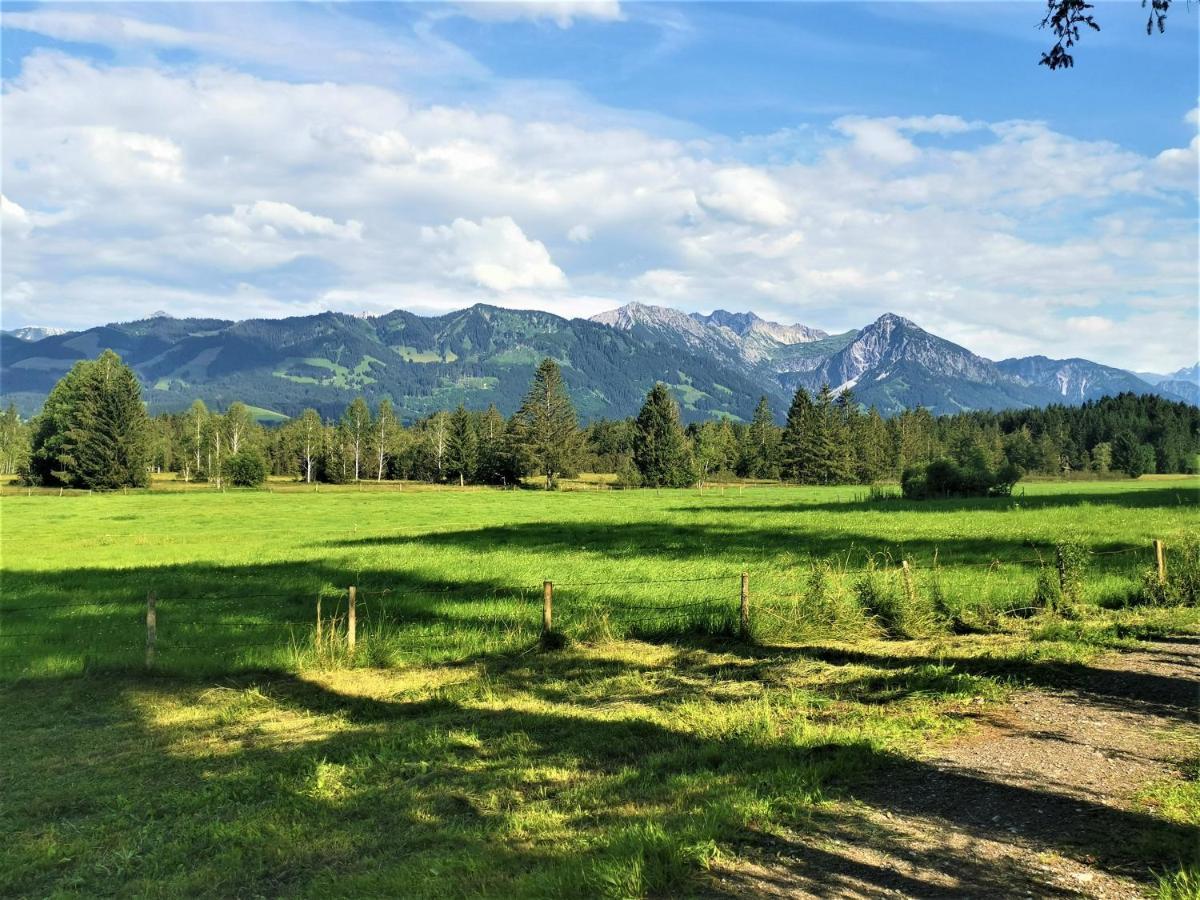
column 94, row 432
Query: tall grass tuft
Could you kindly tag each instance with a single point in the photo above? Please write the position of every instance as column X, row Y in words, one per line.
column 1182, row 587
column 882, row 601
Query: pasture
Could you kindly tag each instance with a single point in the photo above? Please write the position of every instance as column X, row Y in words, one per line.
column 649, row 750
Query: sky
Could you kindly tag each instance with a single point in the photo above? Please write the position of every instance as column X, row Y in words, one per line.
column 820, row 163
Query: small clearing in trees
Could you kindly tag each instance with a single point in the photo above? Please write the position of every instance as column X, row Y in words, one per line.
column 1046, row 797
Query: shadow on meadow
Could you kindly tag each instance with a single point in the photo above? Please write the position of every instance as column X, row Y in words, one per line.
column 856, row 500
column 482, row 787
column 890, row 677
column 747, row 539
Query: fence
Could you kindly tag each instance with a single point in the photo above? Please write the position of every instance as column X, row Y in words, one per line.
column 198, row 626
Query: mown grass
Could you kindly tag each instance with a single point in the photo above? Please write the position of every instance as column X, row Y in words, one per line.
column 452, row 756
column 449, row 575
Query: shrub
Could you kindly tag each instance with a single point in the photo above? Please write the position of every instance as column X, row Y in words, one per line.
column 944, row 478
column 1071, row 562
column 245, row 468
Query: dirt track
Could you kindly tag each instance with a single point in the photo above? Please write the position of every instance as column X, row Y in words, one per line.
column 1037, row 801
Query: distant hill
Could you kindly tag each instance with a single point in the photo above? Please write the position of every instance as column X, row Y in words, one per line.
column 717, row 364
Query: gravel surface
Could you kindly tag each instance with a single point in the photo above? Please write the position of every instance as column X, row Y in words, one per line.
column 1039, row 800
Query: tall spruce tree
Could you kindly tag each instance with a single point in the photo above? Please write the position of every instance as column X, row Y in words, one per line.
column 495, row 464
column 462, row 447
column 660, row 448
column 823, row 450
column 97, row 432
column 545, row 429
column 794, row 450
column 762, row 444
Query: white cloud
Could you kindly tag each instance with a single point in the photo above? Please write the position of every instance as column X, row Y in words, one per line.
column 563, row 13
column 748, row 195
column 270, row 219
column 495, row 253
column 183, row 184
column 17, row 221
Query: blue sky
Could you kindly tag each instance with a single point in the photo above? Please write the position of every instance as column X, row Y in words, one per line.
column 815, row 162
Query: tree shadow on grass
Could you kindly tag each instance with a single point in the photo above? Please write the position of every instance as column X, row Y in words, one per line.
column 1147, row 498
column 306, row 788
column 891, row 676
column 700, row 540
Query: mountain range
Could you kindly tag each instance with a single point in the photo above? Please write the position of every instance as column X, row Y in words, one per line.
column 716, row 364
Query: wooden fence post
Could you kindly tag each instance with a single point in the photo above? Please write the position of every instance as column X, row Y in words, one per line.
column 745, row 606
column 151, row 628
column 351, row 620
column 1160, row 558
column 909, row 591
column 547, row 607
column 318, row 621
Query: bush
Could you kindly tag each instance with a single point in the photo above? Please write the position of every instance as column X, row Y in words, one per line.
column 944, row 478
column 245, row 468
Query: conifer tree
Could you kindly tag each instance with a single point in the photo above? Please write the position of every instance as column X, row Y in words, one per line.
column 494, row 454
column 795, row 462
column 762, row 444
column 545, row 428
column 107, row 436
column 660, row 449
column 462, row 446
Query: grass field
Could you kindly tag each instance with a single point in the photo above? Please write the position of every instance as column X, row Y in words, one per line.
column 451, row 755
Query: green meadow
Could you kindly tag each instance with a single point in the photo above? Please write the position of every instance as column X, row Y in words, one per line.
column 455, row 752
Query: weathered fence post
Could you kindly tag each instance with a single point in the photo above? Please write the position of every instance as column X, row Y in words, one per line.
column 151, row 628
column 909, row 591
column 318, row 621
column 351, row 620
column 745, row 607
column 547, row 607
column 1160, row 559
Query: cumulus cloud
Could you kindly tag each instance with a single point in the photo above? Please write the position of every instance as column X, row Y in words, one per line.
column 14, row 217
column 270, row 219
column 494, row 253
column 748, row 195
column 311, row 194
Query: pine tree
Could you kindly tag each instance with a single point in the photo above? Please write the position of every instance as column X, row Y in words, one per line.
column 462, row 446
column 108, row 434
column 794, row 451
column 660, row 449
column 545, row 428
column 494, row 465
column 762, row 444
column 843, row 416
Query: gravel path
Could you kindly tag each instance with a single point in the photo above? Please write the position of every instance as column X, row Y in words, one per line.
column 1038, row 801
